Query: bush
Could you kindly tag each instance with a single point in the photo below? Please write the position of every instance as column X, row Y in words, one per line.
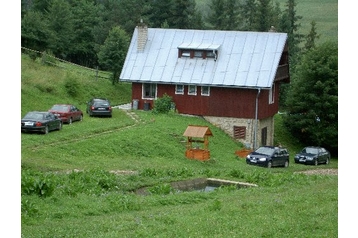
column 72, row 87
column 163, row 104
column 37, row 183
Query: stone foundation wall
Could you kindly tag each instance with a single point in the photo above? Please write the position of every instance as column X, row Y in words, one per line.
column 227, row 125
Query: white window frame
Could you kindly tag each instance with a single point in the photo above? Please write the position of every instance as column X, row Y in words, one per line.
column 179, row 91
column 190, row 91
column 153, row 86
column 272, row 94
column 208, row 91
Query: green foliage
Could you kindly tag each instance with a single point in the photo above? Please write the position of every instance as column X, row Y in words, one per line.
column 161, row 189
column 163, row 104
column 313, row 104
column 37, row 183
column 113, row 53
column 72, row 86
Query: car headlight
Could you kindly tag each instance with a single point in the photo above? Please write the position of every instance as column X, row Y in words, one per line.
column 262, row 159
column 248, row 157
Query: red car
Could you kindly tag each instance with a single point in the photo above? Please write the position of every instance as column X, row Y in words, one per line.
column 68, row 113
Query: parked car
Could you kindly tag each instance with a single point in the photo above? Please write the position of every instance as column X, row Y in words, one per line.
column 269, row 156
column 99, row 107
column 313, row 155
column 43, row 122
column 68, row 113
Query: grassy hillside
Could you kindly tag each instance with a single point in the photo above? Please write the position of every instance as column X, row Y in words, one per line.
column 42, row 86
column 90, row 171
column 323, row 12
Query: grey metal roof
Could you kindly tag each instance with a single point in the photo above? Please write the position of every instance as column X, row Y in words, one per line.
column 245, row 59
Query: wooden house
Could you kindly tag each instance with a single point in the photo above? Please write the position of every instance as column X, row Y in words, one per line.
column 231, row 78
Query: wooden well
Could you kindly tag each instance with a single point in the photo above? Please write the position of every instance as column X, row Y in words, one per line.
column 197, row 145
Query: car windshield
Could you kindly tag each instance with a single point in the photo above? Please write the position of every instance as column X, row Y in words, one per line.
column 265, row 150
column 310, row 150
column 34, row 116
column 101, row 104
column 59, row 108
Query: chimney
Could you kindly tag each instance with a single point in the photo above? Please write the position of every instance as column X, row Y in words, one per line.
column 272, row 29
column 142, row 35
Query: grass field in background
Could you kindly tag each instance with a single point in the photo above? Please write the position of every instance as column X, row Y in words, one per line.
column 323, row 12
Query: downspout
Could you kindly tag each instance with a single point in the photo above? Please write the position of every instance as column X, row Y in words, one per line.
column 256, row 112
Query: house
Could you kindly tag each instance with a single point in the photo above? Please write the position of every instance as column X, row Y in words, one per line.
column 231, row 78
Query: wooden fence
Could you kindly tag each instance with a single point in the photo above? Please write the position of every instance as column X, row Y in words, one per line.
column 51, row 60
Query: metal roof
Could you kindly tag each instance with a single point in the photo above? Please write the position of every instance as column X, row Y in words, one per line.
column 245, row 59
column 197, row 131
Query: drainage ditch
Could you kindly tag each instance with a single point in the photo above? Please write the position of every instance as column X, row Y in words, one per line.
column 200, row 184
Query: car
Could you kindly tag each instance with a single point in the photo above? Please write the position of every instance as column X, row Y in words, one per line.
column 68, row 113
column 99, row 107
column 38, row 121
column 313, row 155
column 269, row 156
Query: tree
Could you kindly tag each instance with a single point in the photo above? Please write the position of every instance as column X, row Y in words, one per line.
column 86, row 18
column 61, row 28
column 113, row 52
column 290, row 25
column 311, row 37
column 313, row 101
column 34, row 31
column 160, row 13
column 248, row 12
column 183, row 15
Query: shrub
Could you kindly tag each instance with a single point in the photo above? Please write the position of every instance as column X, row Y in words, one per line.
column 37, row 183
column 72, row 86
column 163, row 104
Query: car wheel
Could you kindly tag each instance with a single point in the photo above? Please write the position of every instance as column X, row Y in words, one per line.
column 70, row 120
column 59, row 126
column 286, row 164
column 327, row 161
column 316, row 162
column 81, row 118
column 269, row 164
column 46, row 130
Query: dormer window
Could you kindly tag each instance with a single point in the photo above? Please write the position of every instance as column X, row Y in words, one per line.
column 203, row 51
column 185, row 53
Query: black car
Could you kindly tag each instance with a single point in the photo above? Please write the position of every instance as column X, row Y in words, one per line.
column 269, row 156
column 43, row 122
column 313, row 155
column 99, row 107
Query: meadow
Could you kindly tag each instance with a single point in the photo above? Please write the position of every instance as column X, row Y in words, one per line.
column 82, row 181
column 323, row 12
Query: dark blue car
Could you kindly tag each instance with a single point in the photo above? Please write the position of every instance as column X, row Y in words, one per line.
column 42, row 122
column 313, row 155
column 269, row 156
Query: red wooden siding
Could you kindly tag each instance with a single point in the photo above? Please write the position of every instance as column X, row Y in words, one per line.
column 222, row 102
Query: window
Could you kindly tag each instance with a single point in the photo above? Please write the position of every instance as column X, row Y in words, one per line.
column 198, row 54
column 179, row 89
column 192, row 90
column 211, row 54
column 201, row 50
column 272, row 94
column 149, row 91
column 239, row 132
column 185, row 53
column 205, row 90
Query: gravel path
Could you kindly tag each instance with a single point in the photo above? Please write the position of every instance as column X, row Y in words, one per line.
column 320, row 171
